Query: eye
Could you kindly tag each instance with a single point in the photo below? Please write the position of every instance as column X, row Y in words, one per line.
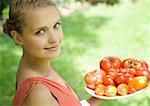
column 40, row 32
column 57, row 26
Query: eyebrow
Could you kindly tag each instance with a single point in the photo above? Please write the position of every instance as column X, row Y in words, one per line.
column 44, row 27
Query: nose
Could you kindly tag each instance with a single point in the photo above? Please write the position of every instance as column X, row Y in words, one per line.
column 52, row 37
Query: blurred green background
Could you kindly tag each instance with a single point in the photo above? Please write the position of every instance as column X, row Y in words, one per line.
column 91, row 32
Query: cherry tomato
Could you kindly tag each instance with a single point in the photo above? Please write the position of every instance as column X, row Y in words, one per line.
column 120, row 78
column 111, row 90
column 108, row 80
column 110, row 62
column 100, row 89
column 122, row 89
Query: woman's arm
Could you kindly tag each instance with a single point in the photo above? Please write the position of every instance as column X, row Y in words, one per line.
column 40, row 96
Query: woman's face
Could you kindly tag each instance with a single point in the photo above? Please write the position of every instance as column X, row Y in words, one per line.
column 42, row 33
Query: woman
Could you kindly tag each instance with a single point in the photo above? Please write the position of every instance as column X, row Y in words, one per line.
column 35, row 26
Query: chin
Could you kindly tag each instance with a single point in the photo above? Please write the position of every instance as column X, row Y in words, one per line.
column 53, row 56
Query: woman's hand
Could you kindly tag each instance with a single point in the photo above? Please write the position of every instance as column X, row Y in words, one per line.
column 94, row 101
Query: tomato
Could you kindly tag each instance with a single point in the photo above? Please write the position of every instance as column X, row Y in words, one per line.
column 113, row 74
column 144, row 64
column 99, row 74
column 148, row 76
column 128, row 70
column 128, row 78
column 108, row 80
column 133, row 63
column 136, row 65
column 90, row 79
column 130, row 63
column 131, row 89
column 110, row 62
column 120, row 78
column 139, row 82
column 100, row 89
column 114, row 70
column 116, row 76
column 122, row 89
column 142, row 72
column 131, row 71
column 111, row 90
column 93, row 78
column 127, row 63
column 102, row 73
column 124, row 70
column 98, row 81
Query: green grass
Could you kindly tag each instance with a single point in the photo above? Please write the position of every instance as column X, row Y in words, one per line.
column 122, row 30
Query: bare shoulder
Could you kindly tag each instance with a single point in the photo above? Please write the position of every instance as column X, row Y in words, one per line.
column 40, row 96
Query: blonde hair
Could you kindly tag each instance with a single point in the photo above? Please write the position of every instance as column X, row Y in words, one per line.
column 17, row 13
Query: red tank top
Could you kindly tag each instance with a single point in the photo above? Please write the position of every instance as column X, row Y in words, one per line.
column 63, row 94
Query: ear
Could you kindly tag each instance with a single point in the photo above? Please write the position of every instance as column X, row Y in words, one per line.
column 17, row 38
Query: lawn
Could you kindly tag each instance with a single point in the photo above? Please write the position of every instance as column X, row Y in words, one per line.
column 122, row 30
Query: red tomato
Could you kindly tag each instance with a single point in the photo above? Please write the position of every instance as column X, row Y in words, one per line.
column 102, row 73
column 122, row 89
column 128, row 78
column 110, row 62
column 120, row 78
column 131, row 71
column 114, row 70
column 142, row 72
column 144, row 64
column 130, row 63
column 124, row 70
column 98, row 81
column 100, row 89
column 111, row 90
column 128, row 70
column 90, row 79
column 148, row 76
column 108, row 80
column 131, row 89
column 113, row 74
column 93, row 78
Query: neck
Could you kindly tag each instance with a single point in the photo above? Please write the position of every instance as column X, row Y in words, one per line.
column 41, row 66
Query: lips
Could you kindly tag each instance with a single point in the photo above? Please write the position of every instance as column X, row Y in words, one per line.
column 52, row 48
